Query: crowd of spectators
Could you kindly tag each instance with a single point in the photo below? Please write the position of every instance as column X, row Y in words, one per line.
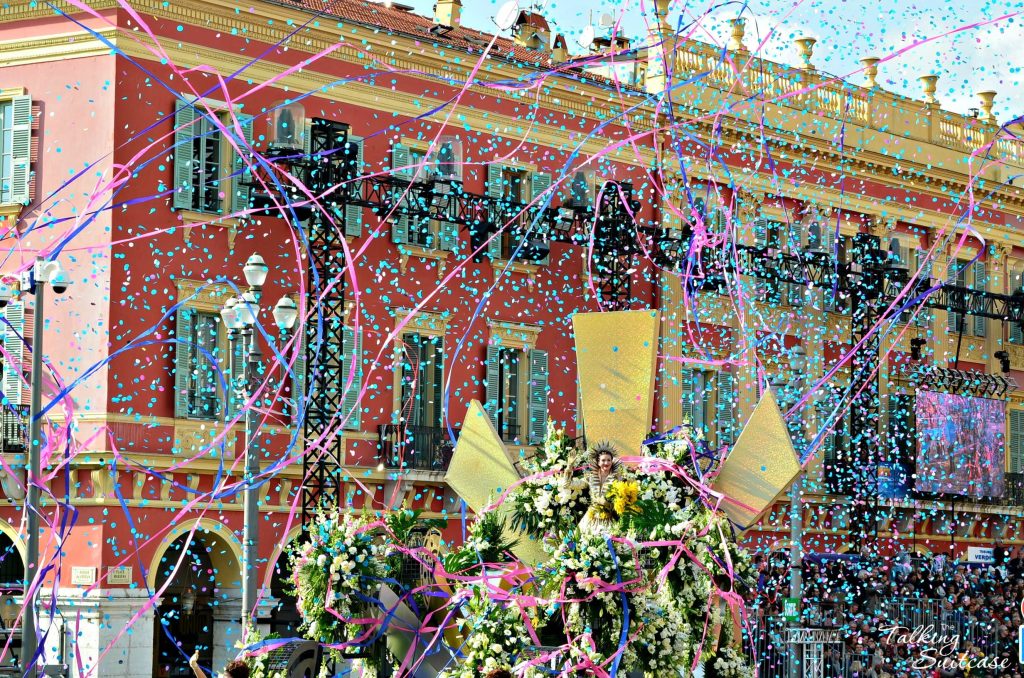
column 902, row 617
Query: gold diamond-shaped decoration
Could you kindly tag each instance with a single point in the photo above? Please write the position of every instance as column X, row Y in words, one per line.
column 481, row 468
column 616, row 355
column 760, row 467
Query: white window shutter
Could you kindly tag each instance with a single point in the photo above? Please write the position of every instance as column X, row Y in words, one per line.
column 21, row 149
column 14, row 344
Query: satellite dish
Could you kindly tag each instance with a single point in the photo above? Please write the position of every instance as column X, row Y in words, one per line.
column 507, row 15
column 606, row 20
column 587, row 36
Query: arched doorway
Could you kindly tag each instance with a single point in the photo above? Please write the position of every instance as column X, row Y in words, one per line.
column 284, row 618
column 12, row 586
column 184, row 619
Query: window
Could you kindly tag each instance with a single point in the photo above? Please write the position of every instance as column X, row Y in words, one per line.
column 319, row 137
column 207, row 167
column 767, row 235
column 1016, row 334
column 201, row 365
column 410, row 221
column 516, row 187
column 964, row 274
column 333, row 394
column 423, row 381
column 203, row 394
column 14, row 338
column 15, row 149
column 698, row 398
column 517, row 393
column 582, row 189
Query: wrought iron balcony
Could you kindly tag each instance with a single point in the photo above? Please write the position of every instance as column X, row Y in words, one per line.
column 13, row 429
column 421, row 448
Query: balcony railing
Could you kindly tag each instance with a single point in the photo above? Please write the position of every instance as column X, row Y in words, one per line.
column 14, row 429
column 421, row 448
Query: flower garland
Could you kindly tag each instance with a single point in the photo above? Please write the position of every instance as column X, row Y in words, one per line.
column 592, row 584
column 551, row 500
column 335, row 576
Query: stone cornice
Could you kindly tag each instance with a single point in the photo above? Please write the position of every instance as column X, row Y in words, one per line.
column 873, row 166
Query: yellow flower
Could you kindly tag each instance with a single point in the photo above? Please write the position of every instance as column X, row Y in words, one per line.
column 623, row 495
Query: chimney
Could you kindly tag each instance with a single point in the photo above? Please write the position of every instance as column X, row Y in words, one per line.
column 448, row 12
column 531, row 30
column 559, row 50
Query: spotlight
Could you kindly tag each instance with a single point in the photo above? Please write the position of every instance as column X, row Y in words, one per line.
column 916, row 344
column 1004, row 361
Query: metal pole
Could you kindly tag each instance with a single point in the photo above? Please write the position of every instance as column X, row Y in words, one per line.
column 250, row 515
column 29, row 631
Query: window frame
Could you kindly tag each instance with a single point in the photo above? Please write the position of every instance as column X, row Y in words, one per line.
column 188, row 114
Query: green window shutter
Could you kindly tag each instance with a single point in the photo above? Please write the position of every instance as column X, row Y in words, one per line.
column 761, row 228
column 15, row 347
column 352, row 361
column 980, row 283
column 924, row 265
column 409, row 407
column 299, row 366
column 493, row 388
column 538, row 403
column 400, row 168
column 241, row 173
column 1016, row 449
column 307, row 137
column 495, row 184
column 21, row 149
column 235, row 405
column 354, row 213
column 400, row 160
column 449, row 235
column 185, row 322
column 794, row 292
column 726, row 400
column 495, row 189
column 956, row 274
column 435, row 347
column 184, row 132
column 540, row 183
column 399, row 227
column 686, row 382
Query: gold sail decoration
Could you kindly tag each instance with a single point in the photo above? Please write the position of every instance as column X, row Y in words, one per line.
column 616, row 357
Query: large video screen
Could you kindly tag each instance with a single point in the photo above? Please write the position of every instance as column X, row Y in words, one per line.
column 960, row 444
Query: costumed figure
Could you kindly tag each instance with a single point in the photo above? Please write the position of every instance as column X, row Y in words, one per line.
column 604, row 469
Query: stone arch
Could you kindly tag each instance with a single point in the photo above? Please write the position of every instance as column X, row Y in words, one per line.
column 19, row 543
column 198, row 565
column 283, row 617
column 226, row 549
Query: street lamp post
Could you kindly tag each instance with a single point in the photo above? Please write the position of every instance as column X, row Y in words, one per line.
column 34, row 282
column 240, row 316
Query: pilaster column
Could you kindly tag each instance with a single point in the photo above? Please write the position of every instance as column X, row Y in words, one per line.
column 227, row 626
column 109, row 630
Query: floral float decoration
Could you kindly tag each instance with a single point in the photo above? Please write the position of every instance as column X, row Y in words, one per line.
column 644, row 578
